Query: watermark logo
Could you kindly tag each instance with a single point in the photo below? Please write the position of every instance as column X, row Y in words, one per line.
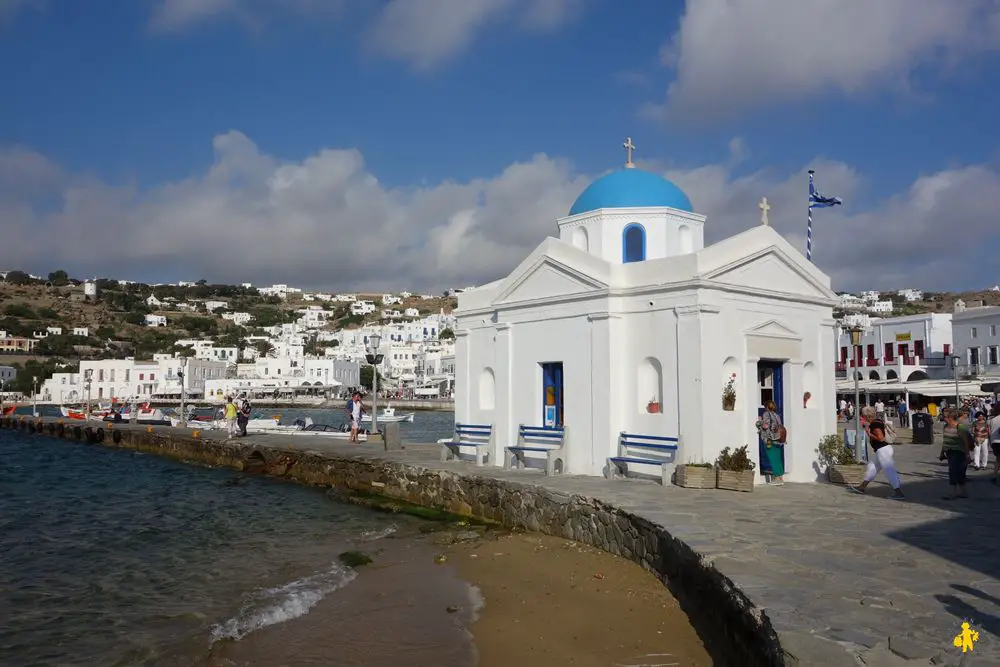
column 966, row 639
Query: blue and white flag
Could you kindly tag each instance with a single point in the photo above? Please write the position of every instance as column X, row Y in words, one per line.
column 817, row 200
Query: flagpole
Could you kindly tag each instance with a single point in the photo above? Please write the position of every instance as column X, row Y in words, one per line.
column 809, row 224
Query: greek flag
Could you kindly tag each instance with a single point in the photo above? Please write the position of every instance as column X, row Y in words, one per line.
column 817, row 200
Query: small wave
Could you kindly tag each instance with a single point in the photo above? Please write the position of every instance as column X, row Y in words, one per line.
column 270, row 606
column 476, row 602
column 372, row 535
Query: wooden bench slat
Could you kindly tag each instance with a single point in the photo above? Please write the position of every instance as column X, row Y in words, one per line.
column 655, row 438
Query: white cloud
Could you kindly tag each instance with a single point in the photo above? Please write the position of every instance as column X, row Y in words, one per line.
column 176, row 14
column 328, row 222
column 427, row 33
column 732, row 55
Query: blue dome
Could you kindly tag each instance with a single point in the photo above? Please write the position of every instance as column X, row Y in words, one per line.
column 628, row 188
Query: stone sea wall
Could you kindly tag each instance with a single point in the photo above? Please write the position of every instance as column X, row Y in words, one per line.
column 735, row 631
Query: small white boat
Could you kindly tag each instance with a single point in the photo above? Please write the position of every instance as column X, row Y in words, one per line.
column 327, row 431
column 389, row 415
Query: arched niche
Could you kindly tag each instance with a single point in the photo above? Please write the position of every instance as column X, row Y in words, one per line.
column 487, row 389
column 581, row 239
column 874, row 376
column 891, row 375
column 810, row 385
column 916, row 375
column 649, row 386
column 731, row 372
column 685, row 239
column 633, row 243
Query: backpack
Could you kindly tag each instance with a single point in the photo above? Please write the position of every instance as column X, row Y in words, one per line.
column 890, row 432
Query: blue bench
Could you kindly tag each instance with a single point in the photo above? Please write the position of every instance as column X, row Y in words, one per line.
column 547, row 440
column 479, row 436
column 650, row 450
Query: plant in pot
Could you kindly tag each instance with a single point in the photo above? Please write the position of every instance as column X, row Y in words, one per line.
column 653, row 407
column 735, row 470
column 729, row 394
column 841, row 468
column 695, row 476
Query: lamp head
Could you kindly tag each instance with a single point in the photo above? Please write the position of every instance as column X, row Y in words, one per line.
column 856, row 333
column 954, row 360
column 376, row 341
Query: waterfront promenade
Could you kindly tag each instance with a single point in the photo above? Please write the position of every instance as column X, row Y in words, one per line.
column 840, row 577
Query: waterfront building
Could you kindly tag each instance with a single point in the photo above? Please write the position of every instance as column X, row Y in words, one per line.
column 7, row 375
column 123, row 379
column 907, row 348
column 627, row 322
column 976, row 336
column 16, row 344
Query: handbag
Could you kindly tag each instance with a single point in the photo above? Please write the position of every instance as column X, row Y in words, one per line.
column 782, row 434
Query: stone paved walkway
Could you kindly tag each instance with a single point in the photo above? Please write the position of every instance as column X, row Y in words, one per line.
column 840, row 575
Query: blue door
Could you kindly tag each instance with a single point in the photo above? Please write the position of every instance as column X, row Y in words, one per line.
column 770, row 384
column 552, row 394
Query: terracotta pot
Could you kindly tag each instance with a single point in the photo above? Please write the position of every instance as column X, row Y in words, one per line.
column 653, row 408
column 695, row 477
column 728, row 404
column 732, row 480
column 850, row 474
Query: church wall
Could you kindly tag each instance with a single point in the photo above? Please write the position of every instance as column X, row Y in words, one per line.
column 808, row 356
column 649, row 362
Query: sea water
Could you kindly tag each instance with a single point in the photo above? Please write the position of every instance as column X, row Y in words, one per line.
column 115, row 558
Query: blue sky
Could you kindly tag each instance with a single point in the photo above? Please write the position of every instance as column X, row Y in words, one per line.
column 438, row 98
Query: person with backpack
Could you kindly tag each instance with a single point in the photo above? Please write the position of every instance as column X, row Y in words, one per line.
column 245, row 409
column 882, row 461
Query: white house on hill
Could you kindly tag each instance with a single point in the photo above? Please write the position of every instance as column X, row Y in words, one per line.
column 626, row 322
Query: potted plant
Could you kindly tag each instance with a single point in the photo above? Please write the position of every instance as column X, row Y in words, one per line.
column 729, row 394
column 734, row 469
column 841, row 468
column 695, row 476
column 653, row 407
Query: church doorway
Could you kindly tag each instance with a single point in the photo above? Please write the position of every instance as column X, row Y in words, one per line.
column 770, row 387
column 552, row 394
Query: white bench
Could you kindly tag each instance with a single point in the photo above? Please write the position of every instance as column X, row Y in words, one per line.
column 650, row 450
column 548, row 440
column 479, row 436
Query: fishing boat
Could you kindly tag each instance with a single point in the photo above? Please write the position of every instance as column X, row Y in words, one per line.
column 9, row 410
column 342, row 432
column 389, row 415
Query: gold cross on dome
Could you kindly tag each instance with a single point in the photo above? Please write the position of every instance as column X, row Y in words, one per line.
column 629, row 147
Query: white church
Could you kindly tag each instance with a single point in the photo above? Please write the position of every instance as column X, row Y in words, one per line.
column 626, row 322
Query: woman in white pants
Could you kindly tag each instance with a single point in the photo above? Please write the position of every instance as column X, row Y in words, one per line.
column 882, row 461
column 981, row 436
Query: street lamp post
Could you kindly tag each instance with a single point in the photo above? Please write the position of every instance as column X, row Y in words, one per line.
column 856, row 333
column 374, row 358
column 180, row 375
column 954, row 369
column 87, row 375
column 34, row 396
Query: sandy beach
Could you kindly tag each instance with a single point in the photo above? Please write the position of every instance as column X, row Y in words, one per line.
column 549, row 601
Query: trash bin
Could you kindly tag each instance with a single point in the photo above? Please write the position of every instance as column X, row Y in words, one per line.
column 923, row 428
column 391, row 435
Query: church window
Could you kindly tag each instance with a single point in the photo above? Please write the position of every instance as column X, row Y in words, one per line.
column 633, row 243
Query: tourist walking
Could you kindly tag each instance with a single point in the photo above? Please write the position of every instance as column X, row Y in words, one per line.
column 356, row 410
column 882, row 461
column 981, row 438
column 772, row 433
column 243, row 416
column 880, row 410
column 956, row 451
column 995, row 441
column 229, row 412
column 903, row 412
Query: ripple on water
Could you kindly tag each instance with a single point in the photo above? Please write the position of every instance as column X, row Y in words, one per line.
column 114, row 559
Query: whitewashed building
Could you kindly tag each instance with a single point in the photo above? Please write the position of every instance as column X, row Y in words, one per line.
column 627, row 322
column 906, row 348
column 156, row 320
column 976, row 336
column 122, row 379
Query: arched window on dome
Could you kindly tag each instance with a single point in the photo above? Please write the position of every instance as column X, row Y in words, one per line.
column 633, row 243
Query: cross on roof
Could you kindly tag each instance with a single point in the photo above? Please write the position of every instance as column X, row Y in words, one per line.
column 629, row 147
column 764, row 208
